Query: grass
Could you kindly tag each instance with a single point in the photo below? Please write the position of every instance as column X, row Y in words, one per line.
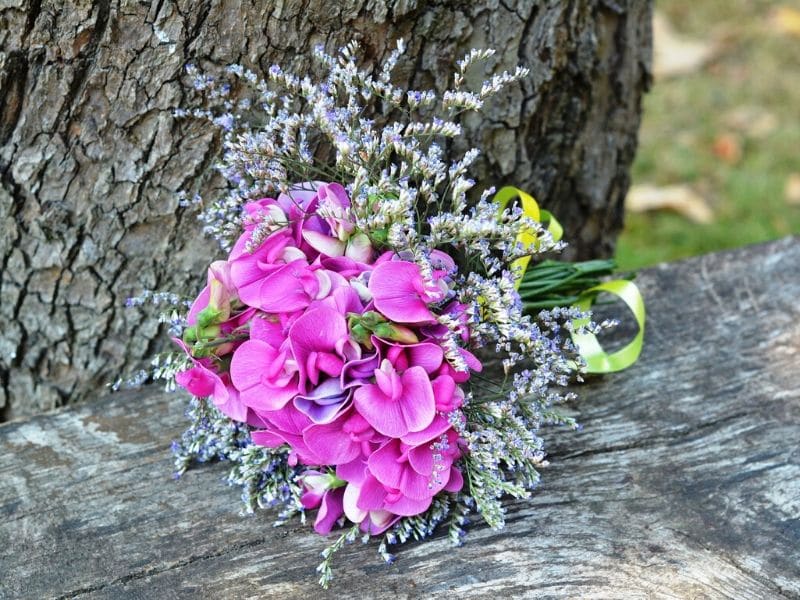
column 755, row 71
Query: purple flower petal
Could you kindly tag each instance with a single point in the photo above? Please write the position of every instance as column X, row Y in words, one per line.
column 334, row 193
column 397, row 405
column 333, row 445
column 455, row 482
column 355, row 372
column 438, row 426
column 313, row 339
column 409, row 507
column 324, row 402
column 330, row 511
column 372, row 494
column 380, row 411
column 418, row 404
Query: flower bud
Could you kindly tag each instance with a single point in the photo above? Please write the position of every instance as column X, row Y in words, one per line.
column 208, row 317
column 359, row 248
column 396, row 333
column 315, row 484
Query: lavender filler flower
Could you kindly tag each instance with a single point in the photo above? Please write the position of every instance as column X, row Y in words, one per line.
column 350, row 310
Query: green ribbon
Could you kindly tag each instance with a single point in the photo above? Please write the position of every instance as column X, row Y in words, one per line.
column 526, row 237
column 597, row 360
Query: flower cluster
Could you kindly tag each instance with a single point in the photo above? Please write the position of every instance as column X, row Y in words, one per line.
column 323, row 346
column 333, row 350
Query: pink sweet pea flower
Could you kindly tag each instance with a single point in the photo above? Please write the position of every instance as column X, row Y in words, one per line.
column 198, row 381
column 286, row 426
column 218, row 293
column 285, row 285
column 328, row 230
column 266, row 377
column 416, row 472
column 448, row 395
column 325, row 402
column 344, row 265
column 334, row 208
column 342, row 441
column 374, row 496
column 300, row 205
column 401, row 294
column 319, row 340
column 255, row 213
column 427, row 355
column 373, row 522
column 323, row 491
column 331, row 232
column 343, row 298
column 286, row 213
column 202, row 381
column 315, row 484
column 397, row 404
column 330, row 511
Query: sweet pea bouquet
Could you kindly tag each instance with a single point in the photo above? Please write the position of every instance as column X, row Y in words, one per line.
column 335, row 356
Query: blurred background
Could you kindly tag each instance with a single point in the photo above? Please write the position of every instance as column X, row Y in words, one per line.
column 718, row 164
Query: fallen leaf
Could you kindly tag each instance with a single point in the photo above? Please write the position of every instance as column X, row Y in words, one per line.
column 674, row 54
column 727, row 148
column 753, row 121
column 785, row 20
column 791, row 191
column 678, row 198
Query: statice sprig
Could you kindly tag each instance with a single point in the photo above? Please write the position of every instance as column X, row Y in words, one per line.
column 324, row 568
column 403, row 158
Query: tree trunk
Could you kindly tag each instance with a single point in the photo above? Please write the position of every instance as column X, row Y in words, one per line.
column 91, row 157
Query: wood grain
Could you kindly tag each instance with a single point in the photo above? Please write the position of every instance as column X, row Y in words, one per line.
column 683, row 483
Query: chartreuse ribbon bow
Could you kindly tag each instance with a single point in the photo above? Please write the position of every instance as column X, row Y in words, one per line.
column 597, row 360
column 531, row 210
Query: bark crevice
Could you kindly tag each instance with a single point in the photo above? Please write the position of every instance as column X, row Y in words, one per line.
column 92, row 157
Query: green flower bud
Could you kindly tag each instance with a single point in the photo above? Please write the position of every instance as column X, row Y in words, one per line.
column 397, row 333
column 209, row 317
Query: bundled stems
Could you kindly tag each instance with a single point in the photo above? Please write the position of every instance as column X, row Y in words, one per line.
column 552, row 284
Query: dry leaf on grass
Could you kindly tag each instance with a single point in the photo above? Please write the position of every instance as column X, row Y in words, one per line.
column 785, row 19
column 728, row 148
column 678, row 198
column 791, row 191
column 674, row 54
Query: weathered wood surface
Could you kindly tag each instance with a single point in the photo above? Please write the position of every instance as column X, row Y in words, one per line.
column 91, row 156
column 684, row 482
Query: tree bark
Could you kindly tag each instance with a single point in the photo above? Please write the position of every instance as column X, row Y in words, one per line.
column 92, row 158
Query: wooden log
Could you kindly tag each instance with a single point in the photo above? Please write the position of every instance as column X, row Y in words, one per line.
column 683, row 483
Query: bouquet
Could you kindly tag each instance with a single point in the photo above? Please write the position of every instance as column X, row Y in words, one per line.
column 335, row 355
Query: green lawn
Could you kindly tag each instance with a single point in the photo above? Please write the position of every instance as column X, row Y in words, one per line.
column 749, row 92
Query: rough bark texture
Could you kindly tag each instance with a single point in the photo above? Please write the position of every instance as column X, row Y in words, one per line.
column 91, row 156
column 683, row 483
